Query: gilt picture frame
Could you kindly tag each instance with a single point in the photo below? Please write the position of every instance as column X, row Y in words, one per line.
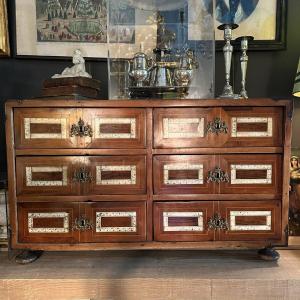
column 265, row 20
column 4, row 36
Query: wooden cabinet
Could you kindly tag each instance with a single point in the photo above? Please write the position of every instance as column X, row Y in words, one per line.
column 172, row 174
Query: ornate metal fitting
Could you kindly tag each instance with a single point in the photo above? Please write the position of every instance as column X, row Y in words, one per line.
column 82, row 175
column 216, row 222
column 217, row 126
column 82, row 224
column 217, row 175
column 80, row 129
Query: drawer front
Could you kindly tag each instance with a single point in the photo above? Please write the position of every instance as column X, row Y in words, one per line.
column 47, row 222
column 116, row 222
column 182, row 174
column 183, row 127
column 182, row 221
column 44, row 128
column 253, row 126
column 117, row 175
column 252, row 174
column 259, row 220
column 46, row 175
column 116, row 128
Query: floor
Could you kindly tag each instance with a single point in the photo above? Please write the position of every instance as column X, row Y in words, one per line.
column 143, row 275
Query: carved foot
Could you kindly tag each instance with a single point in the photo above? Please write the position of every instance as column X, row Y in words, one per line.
column 268, row 254
column 28, row 256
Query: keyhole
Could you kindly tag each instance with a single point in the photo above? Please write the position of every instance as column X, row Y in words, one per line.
column 82, row 223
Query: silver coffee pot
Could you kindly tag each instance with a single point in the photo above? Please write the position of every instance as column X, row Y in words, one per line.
column 139, row 69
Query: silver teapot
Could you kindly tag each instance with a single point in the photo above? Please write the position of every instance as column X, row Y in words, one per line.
column 139, row 70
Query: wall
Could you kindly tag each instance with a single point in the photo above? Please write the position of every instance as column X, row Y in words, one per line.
column 270, row 73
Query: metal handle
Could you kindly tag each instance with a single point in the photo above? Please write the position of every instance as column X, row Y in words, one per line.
column 82, row 175
column 80, row 129
column 82, row 224
column 217, row 175
column 216, row 126
column 216, row 222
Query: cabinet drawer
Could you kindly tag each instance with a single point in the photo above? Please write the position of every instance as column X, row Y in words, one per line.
column 252, row 174
column 116, row 222
column 182, row 221
column 218, row 127
column 117, row 175
column 182, row 174
column 116, row 128
column 46, row 175
column 44, row 127
column 251, row 220
column 47, row 222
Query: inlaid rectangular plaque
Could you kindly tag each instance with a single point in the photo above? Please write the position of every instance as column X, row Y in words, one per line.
column 251, row 127
column 50, row 222
column 46, row 176
column 45, row 128
column 250, row 220
column 183, row 128
column 115, row 128
column 183, row 173
column 122, row 221
column 251, row 174
column 182, row 221
column 115, row 175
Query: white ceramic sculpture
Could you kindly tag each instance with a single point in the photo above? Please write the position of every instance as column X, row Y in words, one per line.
column 78, row 70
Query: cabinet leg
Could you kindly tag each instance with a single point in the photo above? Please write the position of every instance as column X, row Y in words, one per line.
column 268, row 254
column 28, row 256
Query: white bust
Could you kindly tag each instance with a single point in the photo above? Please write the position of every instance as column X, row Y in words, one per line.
column 78, row 70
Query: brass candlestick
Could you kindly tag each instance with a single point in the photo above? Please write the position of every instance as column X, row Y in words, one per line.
column 244, row 40
column 227, row 50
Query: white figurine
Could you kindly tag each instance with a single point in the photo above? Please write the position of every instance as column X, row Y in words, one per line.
column 78, row 70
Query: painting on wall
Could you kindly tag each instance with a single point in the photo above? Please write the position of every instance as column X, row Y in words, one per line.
column 57, row 27
column 264, row 20
column 4, row 40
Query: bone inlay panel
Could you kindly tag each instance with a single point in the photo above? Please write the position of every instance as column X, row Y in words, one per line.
column 63, row 215
column 114, row 135
column 47, row 170
column 101, row 181
column 115, row 214
column 183, row 166
column 183, row 128
column 167, row 215
column 62, row 122
column 243, row 213
column 266, row 133
column 267, row 180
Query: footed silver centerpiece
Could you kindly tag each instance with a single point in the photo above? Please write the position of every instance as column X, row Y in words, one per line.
column 161, row 49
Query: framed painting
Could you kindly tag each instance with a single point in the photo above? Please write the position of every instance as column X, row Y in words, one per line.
column 4, row 38
column 54, row 28
column 264, row 20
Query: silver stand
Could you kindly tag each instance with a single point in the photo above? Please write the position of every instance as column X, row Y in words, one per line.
column 227, row 50
column 244, row 40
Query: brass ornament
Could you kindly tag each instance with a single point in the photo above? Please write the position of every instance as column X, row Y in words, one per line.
column 217, row 222
column 216, row 126
column 80, row 129
column 82, row 175
column 82, row 224
column 217, row 175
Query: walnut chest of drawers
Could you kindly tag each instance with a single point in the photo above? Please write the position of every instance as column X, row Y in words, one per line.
column 148, row 174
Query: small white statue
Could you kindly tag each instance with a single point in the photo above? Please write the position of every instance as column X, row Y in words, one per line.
column 78, row 70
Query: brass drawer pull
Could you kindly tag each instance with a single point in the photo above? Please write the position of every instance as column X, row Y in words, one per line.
column 82, row 224
column 216, row 126
column 217, row 175
column 216, row 222
column 80, row 129
column 82, row 175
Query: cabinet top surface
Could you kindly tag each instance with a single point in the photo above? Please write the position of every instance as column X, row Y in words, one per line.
column 48, row 102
